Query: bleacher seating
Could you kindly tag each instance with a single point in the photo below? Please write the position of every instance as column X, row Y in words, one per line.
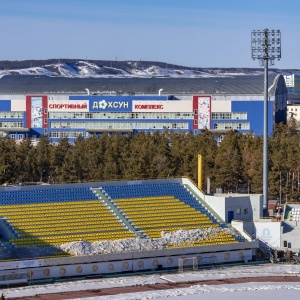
column 155, row 214
column 55, row 223
column 45, row 195
column 153, row 208
column 164, row 189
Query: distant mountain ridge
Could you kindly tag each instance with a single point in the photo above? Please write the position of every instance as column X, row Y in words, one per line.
column 72, row 68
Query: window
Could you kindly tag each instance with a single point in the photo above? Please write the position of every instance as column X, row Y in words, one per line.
column 20, row 137
column 232, row 125
column 13, row 136
column 12, row 114
column 45, row 121
column 238, row 211
column 245, row 211
column 195, row 122
column 229, row 116
column 195, row 111
column 45, row 110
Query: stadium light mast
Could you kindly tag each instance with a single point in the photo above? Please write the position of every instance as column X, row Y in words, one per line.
column 266, row 47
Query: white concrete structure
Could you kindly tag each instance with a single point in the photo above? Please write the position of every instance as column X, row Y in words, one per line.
column 236, row 206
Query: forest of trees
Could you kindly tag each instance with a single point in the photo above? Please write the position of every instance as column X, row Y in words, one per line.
column 234, row 163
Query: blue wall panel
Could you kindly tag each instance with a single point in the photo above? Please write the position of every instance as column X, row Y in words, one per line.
column 5, row 105
column 255, row 114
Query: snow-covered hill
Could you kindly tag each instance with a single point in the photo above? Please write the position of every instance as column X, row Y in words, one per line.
column 83, row 69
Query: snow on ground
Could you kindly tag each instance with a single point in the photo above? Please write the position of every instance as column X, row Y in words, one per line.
column 83, row 285
column 234, row 291
column 245, row 291
column 236, row 272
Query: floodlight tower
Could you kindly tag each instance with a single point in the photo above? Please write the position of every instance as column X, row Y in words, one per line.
column 266, row 47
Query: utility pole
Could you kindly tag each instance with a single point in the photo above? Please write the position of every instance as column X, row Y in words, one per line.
column 266, row 47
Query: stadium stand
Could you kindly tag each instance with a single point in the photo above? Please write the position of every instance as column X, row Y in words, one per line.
column 55, row 216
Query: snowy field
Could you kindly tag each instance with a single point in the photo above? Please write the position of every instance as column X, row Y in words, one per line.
column 265, row 290
column 245, row 291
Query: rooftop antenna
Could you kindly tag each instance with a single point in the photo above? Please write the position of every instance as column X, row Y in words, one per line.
column 266, row 47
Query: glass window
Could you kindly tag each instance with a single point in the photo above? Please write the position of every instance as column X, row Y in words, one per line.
column 229, row 116
column 232, row 125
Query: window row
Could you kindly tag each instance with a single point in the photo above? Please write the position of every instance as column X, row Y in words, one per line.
column 231, row 125
column 120, row 115
column 12, row 114
column 229, row 115
column 11, row 124
column 65, row 134
column 119, row 125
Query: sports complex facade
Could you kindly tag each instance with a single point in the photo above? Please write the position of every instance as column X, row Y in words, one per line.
column 66, row 108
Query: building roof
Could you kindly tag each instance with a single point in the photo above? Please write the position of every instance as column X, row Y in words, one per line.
column 243, row 84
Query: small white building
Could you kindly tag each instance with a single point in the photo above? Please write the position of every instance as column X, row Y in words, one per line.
column 242, row 207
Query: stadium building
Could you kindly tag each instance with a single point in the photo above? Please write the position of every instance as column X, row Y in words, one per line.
column 69, row 107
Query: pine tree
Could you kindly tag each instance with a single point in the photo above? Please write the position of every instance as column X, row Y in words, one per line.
column 228, row 163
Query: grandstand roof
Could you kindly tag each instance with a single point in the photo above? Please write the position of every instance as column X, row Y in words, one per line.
column 243, row 84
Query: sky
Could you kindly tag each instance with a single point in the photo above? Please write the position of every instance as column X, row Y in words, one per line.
column 193, row 33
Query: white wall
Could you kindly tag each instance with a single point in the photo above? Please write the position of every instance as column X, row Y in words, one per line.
column 151, row 263
column 217, row 204
column 269, row 232
column 290, row 234
column 256, row 202
column 18, row 105
column 221, row 106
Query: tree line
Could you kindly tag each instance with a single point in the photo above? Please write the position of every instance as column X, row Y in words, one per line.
column 233, row 164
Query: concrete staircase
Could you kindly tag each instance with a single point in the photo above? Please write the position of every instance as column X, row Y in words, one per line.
column 112, row 206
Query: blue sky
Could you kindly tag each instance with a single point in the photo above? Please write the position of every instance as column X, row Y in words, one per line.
column 197, row 33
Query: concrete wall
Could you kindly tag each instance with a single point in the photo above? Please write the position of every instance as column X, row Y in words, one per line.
column 246, row 229
column 138, row 261
column 193, row 187
column 256, row 202
column 267, row 231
